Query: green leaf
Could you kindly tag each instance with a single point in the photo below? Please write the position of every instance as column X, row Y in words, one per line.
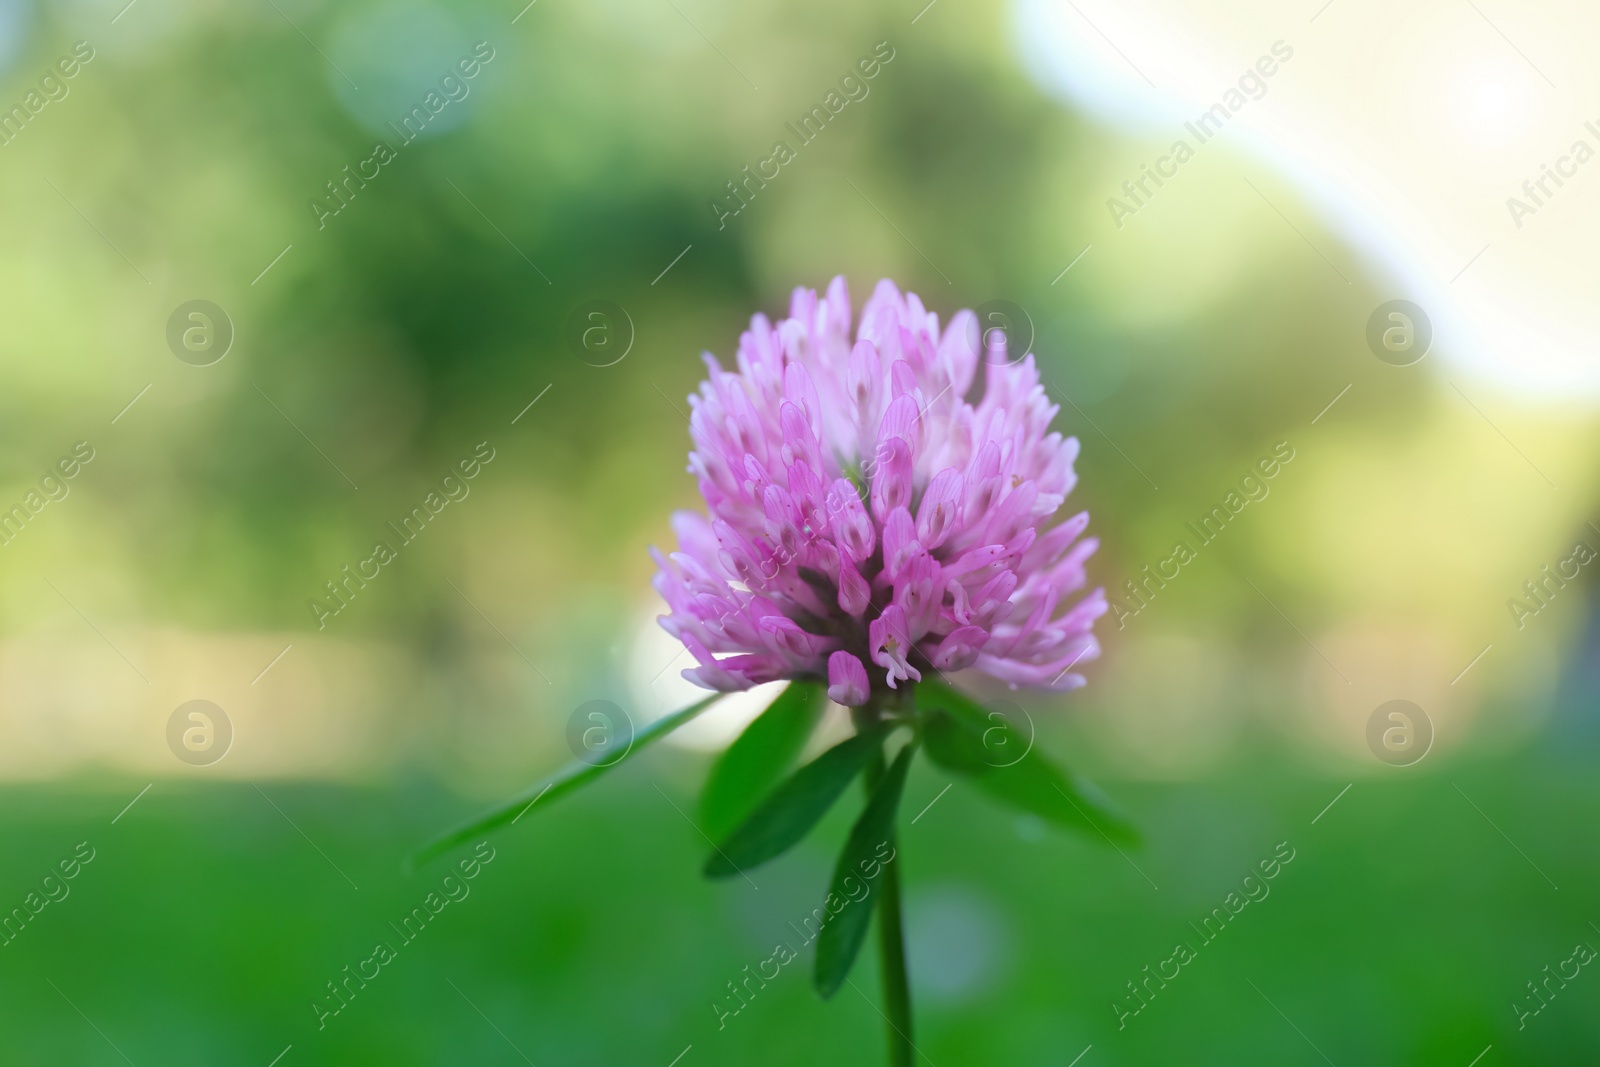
column 794, row 807
column 963, row 736
column 745, row 773
column 568, row 779
column 840, row 940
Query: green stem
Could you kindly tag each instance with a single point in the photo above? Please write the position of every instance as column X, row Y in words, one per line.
column 892, row 947
column 892, row 959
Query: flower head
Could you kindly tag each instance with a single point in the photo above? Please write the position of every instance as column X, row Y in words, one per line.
column 868, row 522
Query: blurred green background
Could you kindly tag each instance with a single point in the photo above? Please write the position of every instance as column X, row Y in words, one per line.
column 379, row 349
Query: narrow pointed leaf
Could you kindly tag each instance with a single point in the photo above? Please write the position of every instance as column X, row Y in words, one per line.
column 794, row 807
column 856, row 876
column 962, row 736
column 746, row 772
column 573, row 776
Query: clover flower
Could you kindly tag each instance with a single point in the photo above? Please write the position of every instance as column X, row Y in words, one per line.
column 867, row 521
column 868, row 524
